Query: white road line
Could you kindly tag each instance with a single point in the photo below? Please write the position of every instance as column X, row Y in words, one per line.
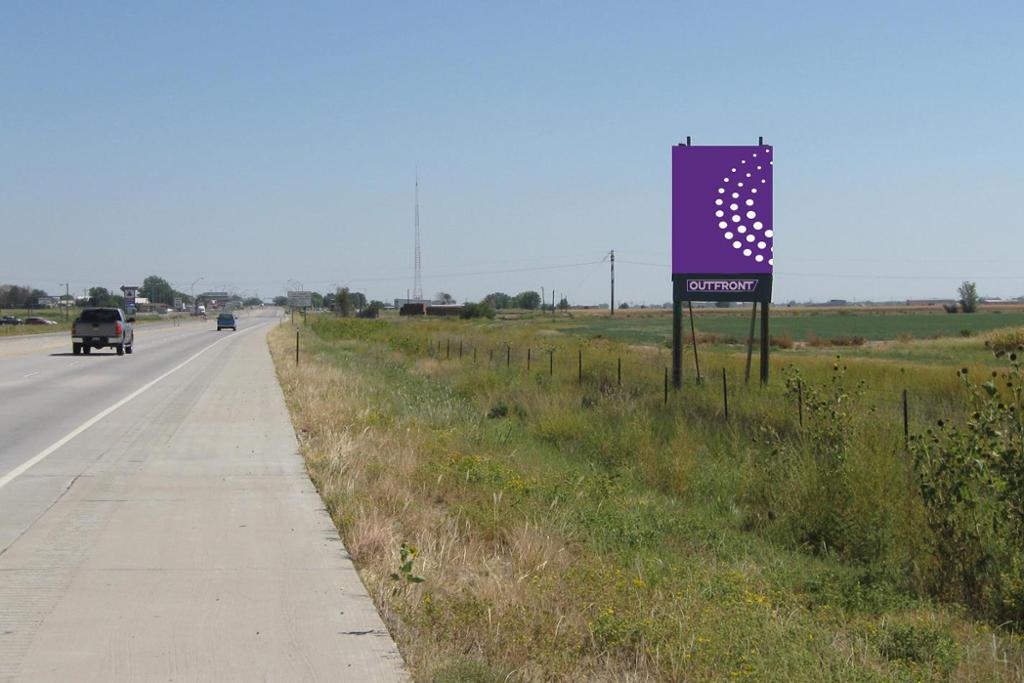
column 39, row 457
column 32, row 374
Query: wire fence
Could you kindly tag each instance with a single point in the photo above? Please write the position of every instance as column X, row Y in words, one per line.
column 724, row 391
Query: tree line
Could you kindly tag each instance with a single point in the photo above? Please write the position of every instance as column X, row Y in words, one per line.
column 154, row 288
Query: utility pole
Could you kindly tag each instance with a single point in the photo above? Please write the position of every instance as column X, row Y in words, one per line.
column 543, row 299
column 417, row 279
column 67, row 296
column 613, row 282
column 192, row 289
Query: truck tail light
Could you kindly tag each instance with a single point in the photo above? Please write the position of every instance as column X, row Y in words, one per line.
column 118, row 329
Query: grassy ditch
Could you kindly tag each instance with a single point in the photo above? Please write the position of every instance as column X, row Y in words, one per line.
column 559, row 528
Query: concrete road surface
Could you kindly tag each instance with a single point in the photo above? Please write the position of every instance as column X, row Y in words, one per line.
column 157, row 523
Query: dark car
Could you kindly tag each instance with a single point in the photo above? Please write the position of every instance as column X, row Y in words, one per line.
column 39, row 321
column 10, row 320
column 225, row 320
column 98, row 328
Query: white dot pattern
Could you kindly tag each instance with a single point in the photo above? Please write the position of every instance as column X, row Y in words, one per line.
column 763, row 249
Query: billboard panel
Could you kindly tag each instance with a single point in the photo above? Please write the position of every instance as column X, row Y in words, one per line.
column 722, row 211
column 130, row 293
column 300, row 299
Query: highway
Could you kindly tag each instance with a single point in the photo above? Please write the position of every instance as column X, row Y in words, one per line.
column 157, row 522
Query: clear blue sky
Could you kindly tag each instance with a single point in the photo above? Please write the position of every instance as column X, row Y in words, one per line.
column 253, row 143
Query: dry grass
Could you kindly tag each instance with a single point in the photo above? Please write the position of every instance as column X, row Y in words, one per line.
column 369, row 479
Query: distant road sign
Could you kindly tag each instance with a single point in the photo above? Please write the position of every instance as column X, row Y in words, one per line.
column 130, row 292
column 300, row 299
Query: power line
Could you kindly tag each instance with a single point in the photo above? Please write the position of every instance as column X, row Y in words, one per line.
column 861, row 276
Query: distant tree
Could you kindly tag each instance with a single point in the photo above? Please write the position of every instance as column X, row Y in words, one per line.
column 358, row 300
column 498, row 300
column 16, row 296
column 480, row 310
column 35, row 295
column 623, row 305
column 444, row 298
column 723, row 304
column 253, row 301
column 372, row 309
column 563, row 304
column 343, row 305
column 157, row 290
column 968, row 297
column 98, row 296
column 529, row 300
column 280, row 301
column 317, row 299
column 329, row 301
column 101, row 296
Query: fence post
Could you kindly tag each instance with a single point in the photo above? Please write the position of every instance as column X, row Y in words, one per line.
column 529, row 353
column 620, row 371
column 725, row 395
column 490, row 356
column 551, row 363
column 906, row 421
column 474, row 355
column 800, row 401
column 460, row 349
column 666, row 386
column 448, row 350
column 580, row 352
column 296, row 347
column 508, row 356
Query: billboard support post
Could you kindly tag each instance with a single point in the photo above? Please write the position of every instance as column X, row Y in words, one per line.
column 722, row 238
column 677, row 343
column 750, row 343
column 693, row 338
column 765, row 342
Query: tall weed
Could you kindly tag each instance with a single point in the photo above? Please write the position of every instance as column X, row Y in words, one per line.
column 971, row 479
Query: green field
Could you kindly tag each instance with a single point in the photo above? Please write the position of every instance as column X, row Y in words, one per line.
column 801, row 326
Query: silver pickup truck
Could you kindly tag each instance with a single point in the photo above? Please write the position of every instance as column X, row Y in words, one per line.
column 99, row 328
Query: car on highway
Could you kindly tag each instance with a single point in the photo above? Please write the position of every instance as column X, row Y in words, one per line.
column 225, row 320
column 10, row 320
column 39, row 321
column 98, row 328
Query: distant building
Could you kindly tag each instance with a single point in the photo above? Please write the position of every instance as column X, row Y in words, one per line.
column 445, row 309
column 218, row 300
column 412, row 309
column 930, row 302
column 402, row 302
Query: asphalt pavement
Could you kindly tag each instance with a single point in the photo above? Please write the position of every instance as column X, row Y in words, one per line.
column 157, row 522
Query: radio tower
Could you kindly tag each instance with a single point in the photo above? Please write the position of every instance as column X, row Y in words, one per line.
column 417, row 280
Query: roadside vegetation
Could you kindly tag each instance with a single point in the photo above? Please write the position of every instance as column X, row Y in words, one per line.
column 553, row 524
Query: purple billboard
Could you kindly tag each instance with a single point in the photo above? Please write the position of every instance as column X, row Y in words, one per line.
column 722, row 210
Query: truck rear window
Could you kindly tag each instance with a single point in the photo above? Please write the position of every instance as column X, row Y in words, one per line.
column 99, row 315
